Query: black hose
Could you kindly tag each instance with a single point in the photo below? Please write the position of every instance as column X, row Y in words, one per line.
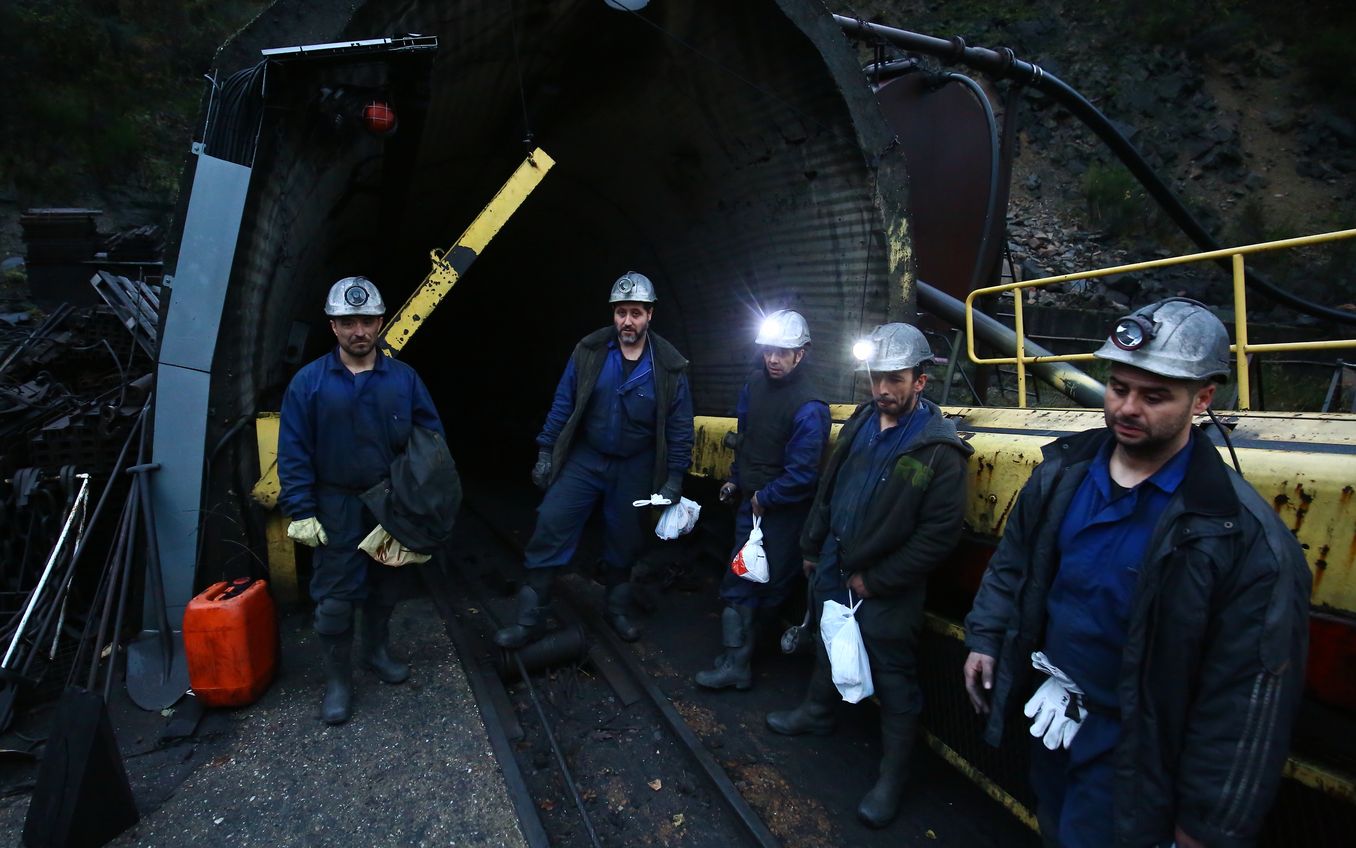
column 1004, row 64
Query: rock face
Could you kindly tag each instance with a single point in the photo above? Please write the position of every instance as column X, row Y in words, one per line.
column 1242, row 127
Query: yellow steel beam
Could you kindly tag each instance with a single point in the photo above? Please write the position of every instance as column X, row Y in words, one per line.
column 449, row 267
column 282, row 562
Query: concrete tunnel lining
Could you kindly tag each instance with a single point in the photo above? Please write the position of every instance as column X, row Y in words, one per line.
column 750, row 176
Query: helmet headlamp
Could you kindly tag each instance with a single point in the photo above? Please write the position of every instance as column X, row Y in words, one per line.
column 1132, row 332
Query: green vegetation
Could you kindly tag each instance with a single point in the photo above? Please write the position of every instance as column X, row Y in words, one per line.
column 1116, row 201
column 104, row 93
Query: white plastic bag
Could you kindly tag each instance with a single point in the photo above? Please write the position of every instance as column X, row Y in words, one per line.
column 751, row 561
column 847, row 654
column 678, row 519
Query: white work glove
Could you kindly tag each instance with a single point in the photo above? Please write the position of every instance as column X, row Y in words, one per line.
column 388, row 550
column 1056, row 710
column 652, row 500
column 308, row 531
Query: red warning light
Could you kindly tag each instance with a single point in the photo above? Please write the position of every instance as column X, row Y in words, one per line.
column 379, row 118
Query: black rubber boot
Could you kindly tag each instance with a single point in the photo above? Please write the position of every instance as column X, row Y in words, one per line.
column 621, row 610
column 337, row 705
column 733, row 666
column 374, row 654
column 881, row 804
column 815, row 713
column 533, row 598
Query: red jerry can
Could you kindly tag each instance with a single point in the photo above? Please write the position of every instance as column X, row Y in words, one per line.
column 231, row 640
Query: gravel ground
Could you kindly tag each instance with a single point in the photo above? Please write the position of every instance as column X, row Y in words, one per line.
column 412, row 767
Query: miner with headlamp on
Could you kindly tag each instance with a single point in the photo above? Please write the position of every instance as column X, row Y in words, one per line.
column 782, row 432
column 887, row 513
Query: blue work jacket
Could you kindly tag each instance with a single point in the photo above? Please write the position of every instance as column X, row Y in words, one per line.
column 341, row 431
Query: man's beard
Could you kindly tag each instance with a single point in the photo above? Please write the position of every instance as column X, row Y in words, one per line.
column 629, row 337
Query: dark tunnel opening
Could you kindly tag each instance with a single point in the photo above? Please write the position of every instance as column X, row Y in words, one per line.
column 741, row 174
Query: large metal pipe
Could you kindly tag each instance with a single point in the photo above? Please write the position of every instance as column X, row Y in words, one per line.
column 1004, row 64
column 1063, row 376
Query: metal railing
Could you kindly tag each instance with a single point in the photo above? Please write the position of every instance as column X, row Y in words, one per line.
column 1241, row 346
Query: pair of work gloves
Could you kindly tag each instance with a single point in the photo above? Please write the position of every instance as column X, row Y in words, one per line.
column 379, row 544
column 1056, row 710
column 669, row 493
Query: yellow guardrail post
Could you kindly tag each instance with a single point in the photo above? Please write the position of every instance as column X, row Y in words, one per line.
column 1241, row 334
column 1020, row 327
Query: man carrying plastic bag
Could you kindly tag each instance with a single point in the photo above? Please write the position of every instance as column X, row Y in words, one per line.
column 783, row 429
column 887, row 513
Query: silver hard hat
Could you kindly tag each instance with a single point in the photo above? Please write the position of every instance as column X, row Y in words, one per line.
column 633, row 287
column 354, row 296
column 1178, row 337
column 892, row 347
column 784, row 329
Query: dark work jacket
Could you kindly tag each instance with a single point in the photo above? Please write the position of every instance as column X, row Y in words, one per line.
column 418, row 502
column 767, row 426
column 914, row 519
column 673, row 403
column 1213, row 667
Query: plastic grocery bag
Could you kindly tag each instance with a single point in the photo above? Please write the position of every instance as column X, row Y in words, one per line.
column 847, row 654
column 751, row 561
column 678, row 519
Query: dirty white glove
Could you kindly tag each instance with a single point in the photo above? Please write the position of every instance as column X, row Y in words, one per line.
column 387, row 549
column 1056, row 710
column 308, row 532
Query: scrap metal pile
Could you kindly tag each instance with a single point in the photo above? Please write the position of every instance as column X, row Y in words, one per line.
column 74, row 384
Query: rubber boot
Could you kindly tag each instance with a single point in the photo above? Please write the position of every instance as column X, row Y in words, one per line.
column 621, row 609
column 533, row 598
column 733, row 666
column 374, row 655
column 337, row 705
column 881, row 804
column 815, row 713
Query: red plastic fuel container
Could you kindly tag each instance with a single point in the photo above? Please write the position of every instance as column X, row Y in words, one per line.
column 231, row 640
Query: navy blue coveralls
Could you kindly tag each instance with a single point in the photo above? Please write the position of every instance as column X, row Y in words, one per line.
column 1103, row 540
column 612, row 460
column 338, row 435
column 786, row 502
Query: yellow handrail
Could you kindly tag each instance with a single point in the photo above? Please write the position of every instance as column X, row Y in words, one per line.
column 1241, row 347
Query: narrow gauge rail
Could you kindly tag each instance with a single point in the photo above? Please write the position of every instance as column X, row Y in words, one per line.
column 641, row 745
column 658, row 761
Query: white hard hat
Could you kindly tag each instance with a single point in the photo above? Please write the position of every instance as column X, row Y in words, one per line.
column 892, row 347
column 354, row 296
column 633, row 287
column 785, row 329
column 1177, row 337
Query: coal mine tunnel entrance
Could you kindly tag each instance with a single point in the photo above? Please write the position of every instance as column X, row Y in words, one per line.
column 738, row 173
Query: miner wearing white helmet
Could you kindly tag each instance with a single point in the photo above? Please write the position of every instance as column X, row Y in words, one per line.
column 783, row 429
column 345, row 418
column 888, row 512
column 619, row 431
column 1149, row 607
